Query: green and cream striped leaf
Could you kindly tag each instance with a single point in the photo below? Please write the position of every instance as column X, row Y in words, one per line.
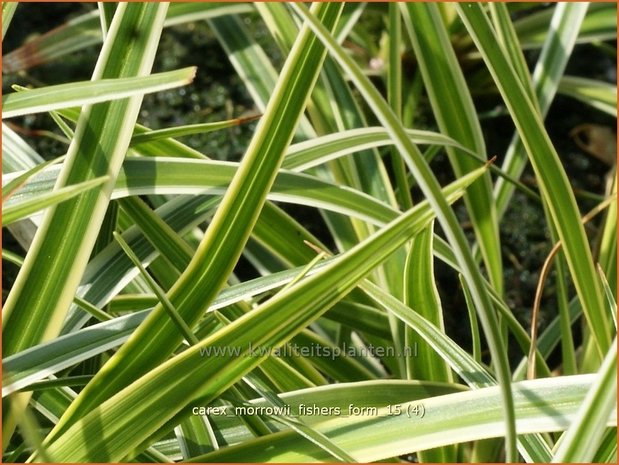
column 599, row 25
column 608, row 241
column 508, row 41
column 565, row 25
column 363, row 394
column 24, row 208
column 18, row 180
column 8, row 10
column 376, row 393
column 38, row 362
column 141, row 176
column 179, row 131
column 422, row 294
column 17, row 155
column 607, row 452
column 549, row 172
column 455, row 114
column 598, row 94
column 34, row 311
column 45, row 99
column 544, row 405
column 581, row 441
column 556, row 50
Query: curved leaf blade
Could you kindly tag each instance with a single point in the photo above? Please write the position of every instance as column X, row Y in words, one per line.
column 74, row 94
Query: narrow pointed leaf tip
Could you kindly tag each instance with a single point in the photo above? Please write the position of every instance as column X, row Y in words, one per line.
column 75, row 94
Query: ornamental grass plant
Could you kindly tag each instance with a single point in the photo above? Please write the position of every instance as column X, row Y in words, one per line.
column 325, row 269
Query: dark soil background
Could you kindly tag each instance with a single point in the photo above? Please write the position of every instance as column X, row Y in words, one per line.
column 219, row 94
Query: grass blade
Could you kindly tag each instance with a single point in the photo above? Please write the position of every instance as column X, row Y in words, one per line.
column 165, row 302
column 607, row 250
column 297, row 424
column 10, row 187
column 557, row 48
column 19, row 210
column 456, row 117
column 38, row 362
column 8, row 10
column 394, row 95
column 106, row 14
column 599, row 25
column 581, row 441
column 598, row 94
column 196, row 436
column 141, row 176
column 180, row 131
column 74, row 94
column 376, row 393
column 423, row 295
column 567, row 20
column 549, row 172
